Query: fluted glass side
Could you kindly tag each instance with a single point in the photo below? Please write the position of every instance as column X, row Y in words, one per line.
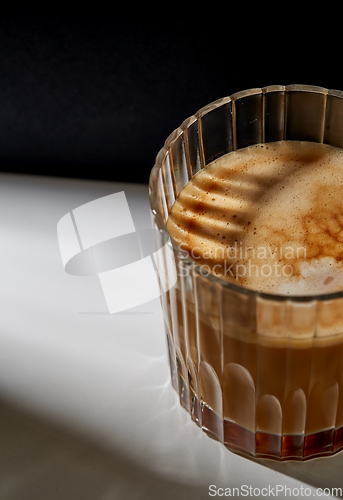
column 262, row 374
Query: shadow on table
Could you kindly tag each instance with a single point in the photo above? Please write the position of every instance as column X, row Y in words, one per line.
column 39, row 461
column 319, row 472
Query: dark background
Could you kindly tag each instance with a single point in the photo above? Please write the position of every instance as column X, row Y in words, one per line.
column 93, row 91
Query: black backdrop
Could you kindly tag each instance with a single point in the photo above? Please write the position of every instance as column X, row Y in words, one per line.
column 93, row 91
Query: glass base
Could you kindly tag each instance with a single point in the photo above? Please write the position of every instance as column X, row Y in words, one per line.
column 244, row 441
column 276, row 447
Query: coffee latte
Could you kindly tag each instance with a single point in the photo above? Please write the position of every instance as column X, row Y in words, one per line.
column 269, row 218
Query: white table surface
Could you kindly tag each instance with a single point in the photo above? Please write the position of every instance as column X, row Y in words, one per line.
column 87, row 410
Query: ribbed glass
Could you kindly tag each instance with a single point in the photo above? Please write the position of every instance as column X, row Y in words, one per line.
column 261, row 373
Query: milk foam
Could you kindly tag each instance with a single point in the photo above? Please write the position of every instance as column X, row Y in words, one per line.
column 268, row 217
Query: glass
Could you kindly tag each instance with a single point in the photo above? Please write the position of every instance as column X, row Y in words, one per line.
column 261, row 373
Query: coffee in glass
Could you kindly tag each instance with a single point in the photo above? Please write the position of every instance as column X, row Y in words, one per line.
column 247, row 192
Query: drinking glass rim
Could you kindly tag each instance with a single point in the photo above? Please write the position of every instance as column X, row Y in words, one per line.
column 153, row 180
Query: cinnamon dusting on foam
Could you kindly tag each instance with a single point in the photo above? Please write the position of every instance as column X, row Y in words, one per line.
column 268, row 217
